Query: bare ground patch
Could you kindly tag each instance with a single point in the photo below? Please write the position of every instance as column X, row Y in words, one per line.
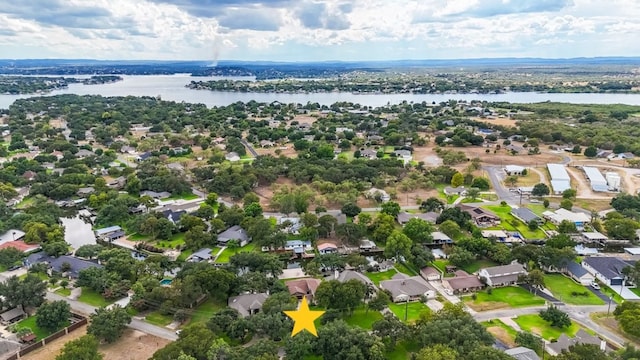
column 496, row 121
column 502, row 335
column 502, row 157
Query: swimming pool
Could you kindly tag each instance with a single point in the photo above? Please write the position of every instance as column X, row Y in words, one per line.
column 166, row 282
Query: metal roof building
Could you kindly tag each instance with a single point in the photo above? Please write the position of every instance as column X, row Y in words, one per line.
column 598, row 182
column 560, row 180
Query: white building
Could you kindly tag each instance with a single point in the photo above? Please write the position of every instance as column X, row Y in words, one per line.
column 613, row 181
column 597, row 181
column 514, row 169
column 560, row 180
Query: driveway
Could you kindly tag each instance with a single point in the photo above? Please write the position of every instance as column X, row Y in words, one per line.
column 135, row 324
column 496, row 174
column 598, row 293
column 542, row 294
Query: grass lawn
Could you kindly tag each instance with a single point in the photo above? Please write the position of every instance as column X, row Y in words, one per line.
column 530, row 179
column 402, row 350
column 363, row 319
column 346, row 155
column 156, row 318
column 533, row 323
column 30, row 323
column 205, row 311
column 413, row 311
column 562, row 287
column 537, row 209
column 406, row 269
column 635, row 291
column 478, row 264
column 172, row 243
column 510, row 296
column 503, row 332
column 184, row 254
column 509, row 223
column 25, row 203
column 223, row 258
column 607, row 291
column 189, row 196
column 441, row 264
column 92, row 298
column 376, row 277
column 137, row 237
column 63, row 292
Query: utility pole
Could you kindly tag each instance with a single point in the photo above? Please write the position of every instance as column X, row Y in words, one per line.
column 406, row 309
column 609, row 308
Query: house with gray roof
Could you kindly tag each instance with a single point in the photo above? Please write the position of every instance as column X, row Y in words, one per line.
column 347, row 275
column 581, row 337
column 235, row 232
column 247, row 304
column 606, row 269
column 201, row 255
column 441, row 238
column 579, row 273
column 404, row 217
column 13, row 315
column 526, row 215
column 462, row 283
column 404, row 288
column 155, row 195
column 56, row 264
column 504, row 275
column 110, row 233
column 522, row 353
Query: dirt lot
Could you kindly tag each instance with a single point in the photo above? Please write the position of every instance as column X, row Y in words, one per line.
column 497, row 121
column 503, row 158
column 133, row 345
column 502, row 335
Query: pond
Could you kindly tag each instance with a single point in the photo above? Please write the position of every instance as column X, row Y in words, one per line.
column 77, row 232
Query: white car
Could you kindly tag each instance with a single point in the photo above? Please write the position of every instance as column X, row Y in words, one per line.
column 595, row 286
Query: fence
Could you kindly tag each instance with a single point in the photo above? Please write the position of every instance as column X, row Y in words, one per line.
column 29, row 348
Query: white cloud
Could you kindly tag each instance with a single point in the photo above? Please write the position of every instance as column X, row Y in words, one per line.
column 318, row 29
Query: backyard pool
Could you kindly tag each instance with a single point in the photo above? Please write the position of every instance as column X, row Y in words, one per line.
column 165, row 282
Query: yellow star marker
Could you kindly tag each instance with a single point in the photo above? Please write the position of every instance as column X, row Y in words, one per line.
column 303, row 318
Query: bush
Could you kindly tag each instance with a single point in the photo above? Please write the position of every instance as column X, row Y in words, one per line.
column 489, row 290
column 474, row 296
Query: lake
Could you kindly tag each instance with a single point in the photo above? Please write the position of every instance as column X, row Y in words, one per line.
column 172, row 88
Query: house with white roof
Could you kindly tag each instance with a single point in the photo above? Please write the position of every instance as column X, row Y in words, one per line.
column 514, row 169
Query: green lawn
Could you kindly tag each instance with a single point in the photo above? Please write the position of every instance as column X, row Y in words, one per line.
column 406, row 269
column 478, row 264
column 537, row 209
column 363, row 319
column 509, row 223
column 414, row 309
column 535, row 324
column 30, row 323
column 172, row 243
column 376, row 277
column 189, row 196
column 562, row 287
column 227, row 253
column 402, row 350
column 156, row 318
column 610, row 293
column 92, row 298
column 63, row 292
column 635, row 291
column 205, row 311
column 441, row 264
column 137, row 237
column 510, row 296
column 184, row 254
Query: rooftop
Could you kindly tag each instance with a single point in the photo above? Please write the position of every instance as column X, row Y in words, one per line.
column 609, row 267
column 505, row 270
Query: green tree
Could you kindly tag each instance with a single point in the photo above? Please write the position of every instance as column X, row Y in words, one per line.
column 545, row 203
column 532, row 225
column 473, row 193
column 481, row 183
column 82, row 348
column 457, row 179
column 89, row 251
column 540, row 189
column 567, row 227
column 556, row 317
column 52, row 316
column 10, row 256
column 418, row 230
column 437, row 352
column 26, row 292
column 340, row 296
column 566, row 204
column 529, row 341
column 351, row 209
column 569, row 194
column 451, row 229
column 432, row 204
column 461, row 257
column 398, row 244
column 253, row 210
column 390, row 328
column 250, row 198
column 624, row 229
column 390, row 208
column 351, row 233
column 591, row 152
column 109, row 324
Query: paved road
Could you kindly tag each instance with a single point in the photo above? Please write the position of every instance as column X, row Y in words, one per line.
column 249, row 147
column 496, row 174
column 135, row 324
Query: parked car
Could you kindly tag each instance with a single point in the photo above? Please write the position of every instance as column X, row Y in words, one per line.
column 595, row 286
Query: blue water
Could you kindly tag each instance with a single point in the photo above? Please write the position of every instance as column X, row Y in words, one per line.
column 165, row 281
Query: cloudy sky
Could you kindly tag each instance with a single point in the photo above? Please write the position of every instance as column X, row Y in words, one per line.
column 304, row 30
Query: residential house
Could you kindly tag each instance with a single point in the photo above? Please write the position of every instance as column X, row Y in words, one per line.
column 593, row 236
column 498, row 235
column 440, row 238
column 339, row 216
column 377, row 194
column 430, row 273
column 173, row 216
column 11, row 235
column 247, row 304
column 375, row 139
column 110, row 233
column 578, row 218
column 404, row 155
column 582, row 337
column 504, row 275
column 83, row 153
column 522, row 353
column 404, row 217
column 128, row 150
column 117, row 183
column 404, row 288
column 290, row 225
column 347, row 275
column 234, row 233
column 482, row 217
column 462, row 283
column 303, row 287
column 606, row 269
column 327, row 248
column 29, row 175
column 526, row 216
column 367, row 245
column 369, row 154
column 201, row 255
column 143, row 156
column 155, row 195
column 74, row 264
column 266, row 143
column 13, row 315
column 579, row 273
column 85, row 191
column 298, row 246
column 460, row 191
column 514, row 169
column 232, row 156
column 20, row 246
column 582, row 250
